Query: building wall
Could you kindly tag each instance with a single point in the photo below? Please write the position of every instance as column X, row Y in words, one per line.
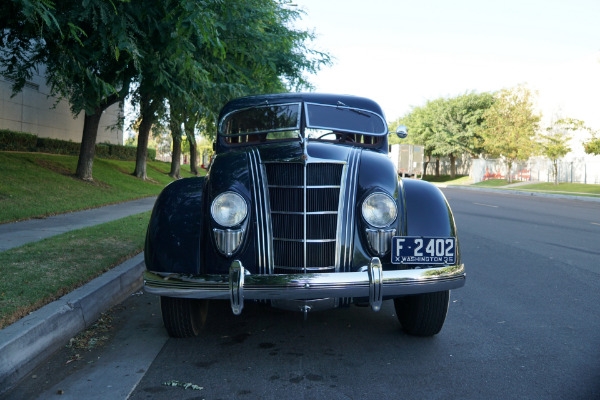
column 34, row 111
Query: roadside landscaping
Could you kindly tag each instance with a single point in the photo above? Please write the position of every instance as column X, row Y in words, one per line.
column 35, row 185
column 573, row 189
column 35, row 274
column 563, row 188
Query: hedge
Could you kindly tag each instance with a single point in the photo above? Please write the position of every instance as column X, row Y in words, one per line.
column 21, row 141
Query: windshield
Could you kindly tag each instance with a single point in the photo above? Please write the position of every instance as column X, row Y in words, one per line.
column 338, row 123
column 262, row 119
column 344, row 118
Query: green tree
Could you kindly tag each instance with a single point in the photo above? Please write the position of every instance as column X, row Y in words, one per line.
column 250, row 48
column 88, row 53
column 511, row 125
column 201, row 53
column 555, row 144
column 448, row 127
column 460, row 121
column 421, row 129
column 170, row 32
column 592, row 146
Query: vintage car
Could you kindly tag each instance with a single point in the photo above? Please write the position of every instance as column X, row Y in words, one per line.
column 301, row 208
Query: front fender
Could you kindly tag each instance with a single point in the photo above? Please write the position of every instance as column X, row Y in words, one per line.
column 175, row 230
column 426, row 211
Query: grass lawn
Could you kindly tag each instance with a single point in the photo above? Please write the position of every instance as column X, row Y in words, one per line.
column 458, row 180
column 576, row 189
column 35, row 274
column 35, row 185
column 563, row 187
column 492, row 183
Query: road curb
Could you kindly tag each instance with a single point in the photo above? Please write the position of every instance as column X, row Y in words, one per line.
column 29, row 341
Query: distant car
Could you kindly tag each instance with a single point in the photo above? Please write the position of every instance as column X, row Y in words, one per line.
column 302, row 208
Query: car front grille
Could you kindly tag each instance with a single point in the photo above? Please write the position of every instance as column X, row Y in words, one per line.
column 304, row 202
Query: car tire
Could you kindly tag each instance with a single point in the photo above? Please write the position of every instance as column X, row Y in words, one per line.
column 183, row 318
column 422, row 314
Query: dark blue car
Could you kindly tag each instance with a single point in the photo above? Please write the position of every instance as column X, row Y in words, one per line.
column 302, row 207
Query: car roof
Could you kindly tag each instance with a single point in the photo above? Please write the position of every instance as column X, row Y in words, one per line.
column 321, row 98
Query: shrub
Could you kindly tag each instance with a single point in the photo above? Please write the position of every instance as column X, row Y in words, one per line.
column 21, row 141
column 102, row 150
column 122, row 152
column 57, row 146
column 17, row 141
column 152, row 154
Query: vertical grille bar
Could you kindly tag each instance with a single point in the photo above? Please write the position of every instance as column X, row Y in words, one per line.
column 263, row 214
column 304, row 203
column 304, row 170
column 347, row 211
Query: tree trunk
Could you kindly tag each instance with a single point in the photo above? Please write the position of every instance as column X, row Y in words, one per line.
column 437, row 167
column 88, row 145
column 176, row 159
column 176, row 154
column 555, row 164
column 190, row 120
column 191, row 137
column 452, row 166
column 193, row 157
column 425, row 164
column 143, row 135
column 508, row 172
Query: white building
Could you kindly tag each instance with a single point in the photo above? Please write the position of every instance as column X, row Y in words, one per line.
column 33, row 110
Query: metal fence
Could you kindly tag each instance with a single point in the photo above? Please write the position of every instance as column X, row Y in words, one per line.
column 576, row 170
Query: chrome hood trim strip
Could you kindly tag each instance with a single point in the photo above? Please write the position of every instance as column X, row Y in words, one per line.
column 262, row 210
column 346, row 213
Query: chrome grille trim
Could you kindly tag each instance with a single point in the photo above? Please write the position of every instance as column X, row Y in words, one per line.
column 305, row 195
column 310, row 269
column 306, row 240
column 304, row 205
column 307, row 213
column 262, row 209
column 309, row 186
column 347, row 209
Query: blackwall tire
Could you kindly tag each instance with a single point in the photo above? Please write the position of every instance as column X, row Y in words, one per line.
column 422, row 314
column 183, row 318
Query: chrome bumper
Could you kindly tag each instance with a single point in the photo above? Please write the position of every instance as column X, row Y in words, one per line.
column 240, row 285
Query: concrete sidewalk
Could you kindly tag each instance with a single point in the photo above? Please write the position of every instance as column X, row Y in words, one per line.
column 17, row 234
column 26, row 343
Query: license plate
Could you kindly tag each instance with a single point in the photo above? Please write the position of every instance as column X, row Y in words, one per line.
column 423, row 250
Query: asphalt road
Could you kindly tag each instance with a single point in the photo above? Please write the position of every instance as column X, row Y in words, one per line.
column 525, row 326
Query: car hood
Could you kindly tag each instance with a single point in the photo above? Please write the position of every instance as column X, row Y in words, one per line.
column 295, row 152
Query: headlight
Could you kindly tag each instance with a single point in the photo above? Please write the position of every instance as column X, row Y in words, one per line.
column 379, row 210
column 228, row 209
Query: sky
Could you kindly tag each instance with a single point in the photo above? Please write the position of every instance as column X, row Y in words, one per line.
column 403, row 53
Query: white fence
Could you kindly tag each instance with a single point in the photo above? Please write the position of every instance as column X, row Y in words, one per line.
column 576, row 170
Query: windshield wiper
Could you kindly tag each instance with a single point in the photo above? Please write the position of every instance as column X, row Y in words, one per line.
column 339, row 103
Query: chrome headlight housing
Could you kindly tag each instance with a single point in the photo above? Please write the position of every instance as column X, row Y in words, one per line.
column 229, row 209
column 379, row 210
